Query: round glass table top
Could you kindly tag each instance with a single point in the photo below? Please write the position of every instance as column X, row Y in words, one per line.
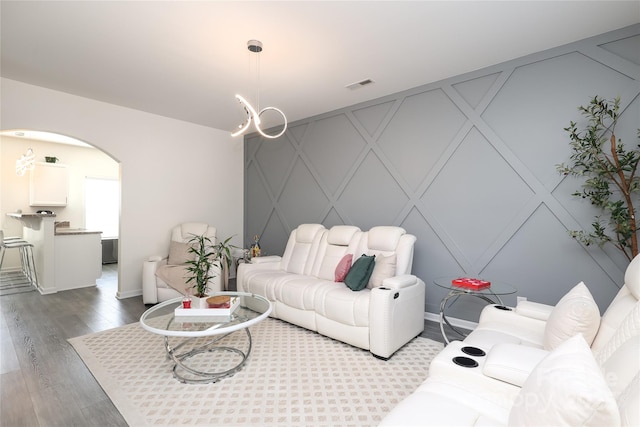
column 496, row 288
column 160, row 319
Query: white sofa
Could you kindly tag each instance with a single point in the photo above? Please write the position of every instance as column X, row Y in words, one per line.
column 155, row 289
column 543, row 365
column 300, row 285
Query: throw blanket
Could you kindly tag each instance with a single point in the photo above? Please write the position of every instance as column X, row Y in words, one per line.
column 175, row 276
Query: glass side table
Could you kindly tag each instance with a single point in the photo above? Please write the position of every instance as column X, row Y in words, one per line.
column 491, row 295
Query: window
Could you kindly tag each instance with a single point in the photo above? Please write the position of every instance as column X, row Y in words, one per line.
column 102, row 205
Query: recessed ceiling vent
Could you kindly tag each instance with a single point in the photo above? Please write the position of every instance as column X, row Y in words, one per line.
column 358, row 85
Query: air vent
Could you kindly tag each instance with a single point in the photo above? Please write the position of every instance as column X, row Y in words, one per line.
column 359, row 84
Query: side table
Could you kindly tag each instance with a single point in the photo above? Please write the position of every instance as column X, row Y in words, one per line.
column 491, row 295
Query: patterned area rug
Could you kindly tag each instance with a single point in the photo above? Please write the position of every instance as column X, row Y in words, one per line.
column 293, row 377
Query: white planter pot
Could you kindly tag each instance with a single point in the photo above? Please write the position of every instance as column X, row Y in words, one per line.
column 197, row 302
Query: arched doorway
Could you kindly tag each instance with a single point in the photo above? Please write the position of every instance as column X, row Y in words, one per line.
column 85, row 163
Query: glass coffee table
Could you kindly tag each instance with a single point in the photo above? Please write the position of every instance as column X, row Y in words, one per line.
column 491, row 295
column 187, row 338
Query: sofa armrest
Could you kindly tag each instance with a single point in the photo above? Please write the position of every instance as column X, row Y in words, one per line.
column 266, row 259
column 398, row 282
column 149, row 287
column 534, row 310
column 512, row 363
column 396, row 314
column 499, row 314
column 257, row 264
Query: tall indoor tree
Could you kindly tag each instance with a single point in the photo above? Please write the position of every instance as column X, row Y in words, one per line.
column 611, row 183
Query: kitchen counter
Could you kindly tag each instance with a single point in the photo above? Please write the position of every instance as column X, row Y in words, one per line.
column 65, row 258
column 20, row 215
column 64, row 231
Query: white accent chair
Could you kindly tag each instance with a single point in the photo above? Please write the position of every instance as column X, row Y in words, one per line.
column 155, row 289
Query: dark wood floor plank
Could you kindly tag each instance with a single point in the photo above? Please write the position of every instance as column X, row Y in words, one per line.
column 46, row 383
column 16, row 408
column 8, row 358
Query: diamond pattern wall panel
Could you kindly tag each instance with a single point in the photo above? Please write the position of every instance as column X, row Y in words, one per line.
column 467, row 164
column 332, row 146
column 478, row 185
column 372, row 189
column 419, row 132
column 535, row 104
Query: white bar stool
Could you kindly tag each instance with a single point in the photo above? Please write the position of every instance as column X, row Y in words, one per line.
column 26, row 256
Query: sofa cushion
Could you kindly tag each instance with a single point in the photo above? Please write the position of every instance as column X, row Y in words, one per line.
column 385, row 267
column 336, row 302
column 576, row 312
column 343, row 267
column 301, row 249
column 384, row 238
column 566, row 388
column 341, row 235
column 179, row 253
column 298, row 291
column 360, row 272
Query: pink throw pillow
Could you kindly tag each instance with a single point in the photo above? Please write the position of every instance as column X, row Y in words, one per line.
column 343, row 267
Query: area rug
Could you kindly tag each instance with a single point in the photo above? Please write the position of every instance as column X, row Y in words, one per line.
column 294, row 377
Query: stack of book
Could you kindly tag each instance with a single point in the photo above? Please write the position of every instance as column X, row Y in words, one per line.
column 470, row 283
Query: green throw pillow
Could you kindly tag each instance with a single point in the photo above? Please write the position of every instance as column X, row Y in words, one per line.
column 360, row 272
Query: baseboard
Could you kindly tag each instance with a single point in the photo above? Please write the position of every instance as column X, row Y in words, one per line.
column 128, row 294
column 459, row 323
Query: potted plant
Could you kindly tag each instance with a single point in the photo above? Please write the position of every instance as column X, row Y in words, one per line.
column 199, row 267
column 612, row 184
column 206, row 256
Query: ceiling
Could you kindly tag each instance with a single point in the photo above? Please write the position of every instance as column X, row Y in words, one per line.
column 187, row 60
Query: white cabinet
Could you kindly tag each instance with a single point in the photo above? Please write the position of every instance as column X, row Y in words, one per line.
column 49, row 185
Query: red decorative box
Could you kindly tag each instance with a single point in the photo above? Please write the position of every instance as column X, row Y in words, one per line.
column 470, row 283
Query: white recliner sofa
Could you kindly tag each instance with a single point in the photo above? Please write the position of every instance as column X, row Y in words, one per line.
column 155, row 288
column 538, row 365
column 301, row 286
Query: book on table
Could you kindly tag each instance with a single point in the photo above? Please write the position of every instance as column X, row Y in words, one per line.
column 471, row 283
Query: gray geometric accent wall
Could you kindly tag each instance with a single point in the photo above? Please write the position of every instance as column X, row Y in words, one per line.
column 467, row 164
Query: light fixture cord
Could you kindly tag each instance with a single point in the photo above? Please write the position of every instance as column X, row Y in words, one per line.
column 257, row 79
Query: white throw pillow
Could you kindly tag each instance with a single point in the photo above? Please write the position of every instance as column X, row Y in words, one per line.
column 567, row 388
column 384, row 268
column 576, row 312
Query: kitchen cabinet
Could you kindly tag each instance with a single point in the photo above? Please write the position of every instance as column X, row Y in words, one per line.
column 49, row 185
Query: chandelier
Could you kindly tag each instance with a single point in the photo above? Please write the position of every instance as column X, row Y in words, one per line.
column 253, row 115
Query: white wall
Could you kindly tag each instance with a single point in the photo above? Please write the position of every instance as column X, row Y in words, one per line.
column 171, row 171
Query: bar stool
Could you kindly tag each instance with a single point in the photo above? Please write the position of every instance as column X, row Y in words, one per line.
column 26, row 256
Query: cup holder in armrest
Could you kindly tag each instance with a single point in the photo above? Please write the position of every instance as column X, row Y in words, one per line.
column 465, row 361
column 473, row 351
column 503, row 307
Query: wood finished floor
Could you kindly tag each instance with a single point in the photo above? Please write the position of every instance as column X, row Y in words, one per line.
column 43, row 382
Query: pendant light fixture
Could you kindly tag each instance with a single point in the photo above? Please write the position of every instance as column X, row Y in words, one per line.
column 253, row 114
